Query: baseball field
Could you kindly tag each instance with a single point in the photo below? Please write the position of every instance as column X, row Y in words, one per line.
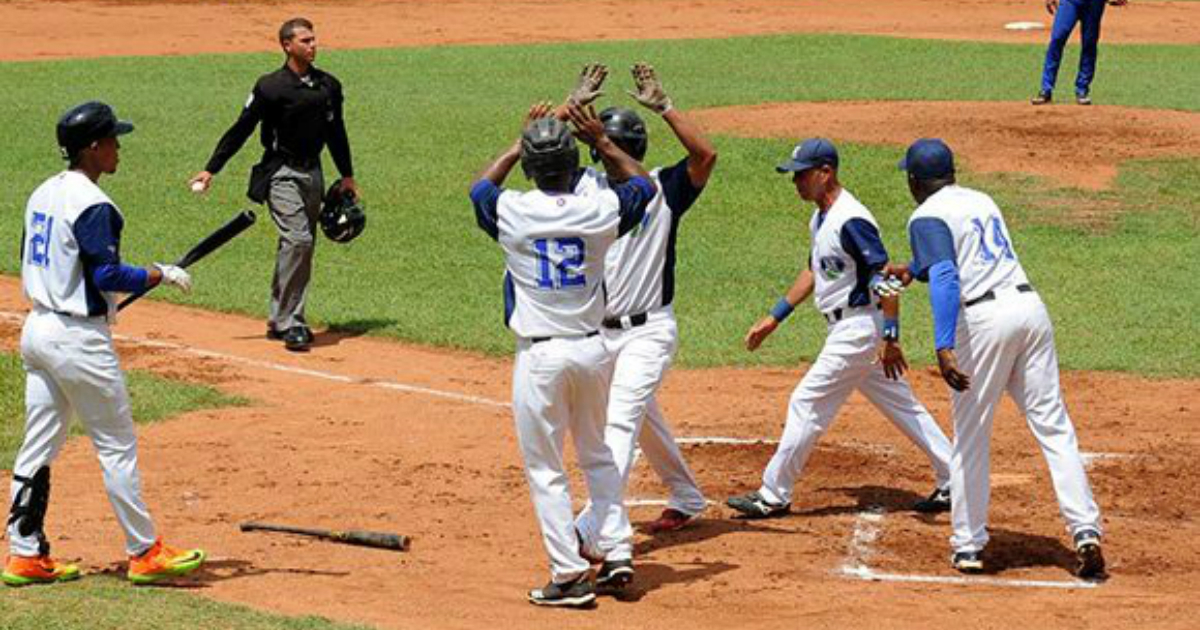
column 398, row 418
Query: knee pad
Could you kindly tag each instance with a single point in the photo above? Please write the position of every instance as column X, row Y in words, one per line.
column 28, row 512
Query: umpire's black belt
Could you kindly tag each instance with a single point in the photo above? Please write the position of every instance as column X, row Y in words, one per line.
column 301, row 163
column 991, row 295
column 541, row 339
column 632, row 321
column 837, row 314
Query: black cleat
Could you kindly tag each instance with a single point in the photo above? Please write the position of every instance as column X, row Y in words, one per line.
column 938, row 501
column 1091, row 560
column 1082, row 98
column 274, row 335
column 614, row 574
column 298, row 339
column 967, row 561
column 578, row 593
column 1043, row 98
column 753, row 505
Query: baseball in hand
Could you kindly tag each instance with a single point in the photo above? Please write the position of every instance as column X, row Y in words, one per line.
column 197, row 187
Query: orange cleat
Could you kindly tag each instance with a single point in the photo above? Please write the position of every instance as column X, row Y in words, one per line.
column 23, row 571
column 162, row 562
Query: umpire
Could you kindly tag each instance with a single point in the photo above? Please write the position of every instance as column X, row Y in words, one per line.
column 300, row 108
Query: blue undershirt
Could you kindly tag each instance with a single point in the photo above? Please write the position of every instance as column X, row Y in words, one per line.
column 934, row 262
column 98, row 233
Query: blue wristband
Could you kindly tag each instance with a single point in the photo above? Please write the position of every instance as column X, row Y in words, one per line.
column 891, row 329
column 782, row 309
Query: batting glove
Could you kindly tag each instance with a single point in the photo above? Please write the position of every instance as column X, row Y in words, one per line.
column 886, row 287
column 175, row 276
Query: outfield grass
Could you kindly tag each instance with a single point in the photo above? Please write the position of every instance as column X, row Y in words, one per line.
column 423, row 121
column 153, row 399
column 108, row 603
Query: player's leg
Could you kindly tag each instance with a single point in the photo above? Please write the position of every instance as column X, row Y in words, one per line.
column 294, row 206
column 838, row 370
column 540, row 409
column 1038, row 393
column 985, row 354
column 1064, row 22
column 1091, row 15
column 641, row 358
column 895, row 399
column 47, row 418
column 662, row 453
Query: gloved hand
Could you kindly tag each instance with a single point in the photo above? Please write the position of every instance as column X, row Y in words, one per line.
column 650, row 92
column 176, row 276
column 886, row 287
column 588, row 88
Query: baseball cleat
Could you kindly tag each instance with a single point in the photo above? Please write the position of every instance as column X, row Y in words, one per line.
column 967, row 561
column 298, row 339
column 578, row 593
column 1042, row 98
column 672, row 520
column 1082, row 98
column 938, row 501
column 23, row 571
column 615, row 574
column 163, row 562
column 753, row 505
column 1091, row 560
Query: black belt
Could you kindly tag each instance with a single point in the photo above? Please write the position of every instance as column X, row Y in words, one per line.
column 634, row 321
column 991, row 295
column 541, row 339
column 302, row 162
column 837, row 314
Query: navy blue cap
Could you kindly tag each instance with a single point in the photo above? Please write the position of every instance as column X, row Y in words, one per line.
column 811, row 153
column 928, row 158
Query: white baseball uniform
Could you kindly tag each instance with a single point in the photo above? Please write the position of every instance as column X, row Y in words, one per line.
column 555, row 246
column 641, row 335
column 70, row 268
column 845, row 248
column 986, row 310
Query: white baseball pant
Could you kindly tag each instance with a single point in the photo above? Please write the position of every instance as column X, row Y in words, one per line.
column 1007, row 344
column 561, row 385
column 71, row 368
column 848, row 362
column 641, row 357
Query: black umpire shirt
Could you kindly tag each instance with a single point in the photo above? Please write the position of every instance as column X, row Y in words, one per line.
column 299, row 116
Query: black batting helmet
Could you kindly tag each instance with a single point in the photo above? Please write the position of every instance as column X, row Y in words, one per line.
column 548, row 148
column 624, row 127
column 84, row 124
column 342, row 218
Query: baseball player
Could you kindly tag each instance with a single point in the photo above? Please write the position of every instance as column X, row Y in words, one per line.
column 1088, row 13
column 844, row 272
column 300, row 108
column 71, row 270
column 988, row 320
column 639, row 326
column 554, row 243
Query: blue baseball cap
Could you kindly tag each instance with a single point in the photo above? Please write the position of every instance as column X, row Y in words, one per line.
column 811, row 153
column 928, row 158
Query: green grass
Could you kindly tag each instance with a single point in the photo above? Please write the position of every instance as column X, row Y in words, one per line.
column 108, row 603
column 153, row 399
column 423, row 121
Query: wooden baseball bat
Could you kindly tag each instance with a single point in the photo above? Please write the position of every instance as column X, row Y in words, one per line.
column 211, row 243
column 377, row 540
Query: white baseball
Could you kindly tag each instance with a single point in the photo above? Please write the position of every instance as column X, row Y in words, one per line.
column 197, row 187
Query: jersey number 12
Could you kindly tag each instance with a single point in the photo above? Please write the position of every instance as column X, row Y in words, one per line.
column 564, row 273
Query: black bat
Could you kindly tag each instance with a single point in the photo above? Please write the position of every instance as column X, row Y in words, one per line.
column 211, row 243
column 377, row 540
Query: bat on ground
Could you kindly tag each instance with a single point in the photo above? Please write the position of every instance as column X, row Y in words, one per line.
column 211, row 243
column 378, row 540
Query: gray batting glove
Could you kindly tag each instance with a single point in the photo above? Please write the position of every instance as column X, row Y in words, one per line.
column 175, row 276
column 587, row 89
column 650, row 92
column 886, row 287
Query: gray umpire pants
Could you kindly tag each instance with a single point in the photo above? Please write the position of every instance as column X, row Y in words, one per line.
column 295, row 203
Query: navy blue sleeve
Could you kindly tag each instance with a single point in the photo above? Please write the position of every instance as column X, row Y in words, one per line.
column 635, row 196
column 677, row 187
column 98, row 232
column 486, row 197
column 944, row 299
column 931, row 243
column 861, row 240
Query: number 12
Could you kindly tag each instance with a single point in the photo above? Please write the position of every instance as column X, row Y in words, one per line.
column 564, row 273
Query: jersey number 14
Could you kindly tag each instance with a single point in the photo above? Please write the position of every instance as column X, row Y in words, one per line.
column 1003, row 247
column 563, row 273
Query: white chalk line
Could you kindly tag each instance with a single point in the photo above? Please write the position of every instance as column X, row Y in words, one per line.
column 656, row 502
column 859, row 551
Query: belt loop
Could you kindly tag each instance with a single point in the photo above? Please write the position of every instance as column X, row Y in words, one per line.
column 626, row 322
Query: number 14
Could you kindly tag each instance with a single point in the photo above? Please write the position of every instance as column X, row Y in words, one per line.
column 998, row 238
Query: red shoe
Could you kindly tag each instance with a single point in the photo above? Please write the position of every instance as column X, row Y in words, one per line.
column 162, row 562
column 23, row 571
column 672, row 520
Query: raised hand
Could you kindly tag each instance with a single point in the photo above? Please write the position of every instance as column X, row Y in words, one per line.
column 587, row 89
column 588, row 127
column 650, row 92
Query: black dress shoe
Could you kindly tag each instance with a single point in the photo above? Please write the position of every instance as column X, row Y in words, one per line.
column 274, row 335
column 298, row 339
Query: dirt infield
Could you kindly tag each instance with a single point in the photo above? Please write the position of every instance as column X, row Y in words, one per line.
column 1071, row 145
column 378, row 435
column 55, row 29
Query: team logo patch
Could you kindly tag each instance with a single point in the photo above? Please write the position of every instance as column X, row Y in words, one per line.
column 832, row 267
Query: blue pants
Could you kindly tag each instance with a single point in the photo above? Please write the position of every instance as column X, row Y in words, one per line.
column 1088, row 14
